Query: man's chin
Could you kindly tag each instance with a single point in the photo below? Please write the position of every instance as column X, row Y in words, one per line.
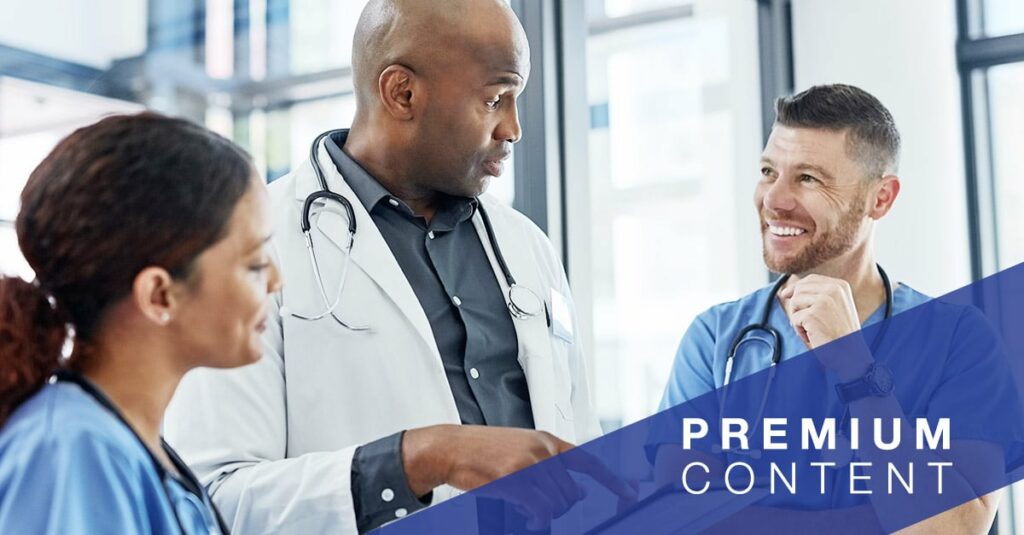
column 475, row 188
column 777, row 264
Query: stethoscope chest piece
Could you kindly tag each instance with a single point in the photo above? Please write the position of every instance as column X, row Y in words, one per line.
column 523, row 302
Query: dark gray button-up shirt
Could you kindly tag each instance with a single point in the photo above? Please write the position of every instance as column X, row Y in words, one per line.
column 448, row 269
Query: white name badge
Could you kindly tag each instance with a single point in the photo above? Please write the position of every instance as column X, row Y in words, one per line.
column 561, row 317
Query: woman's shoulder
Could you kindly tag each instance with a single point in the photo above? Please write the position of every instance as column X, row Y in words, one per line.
column 64, row 423
column 63, row 449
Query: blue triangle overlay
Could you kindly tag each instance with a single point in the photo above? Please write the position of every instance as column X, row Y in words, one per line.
column 957, row 359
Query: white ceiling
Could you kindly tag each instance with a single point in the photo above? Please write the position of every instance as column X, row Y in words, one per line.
column 30, row 108
column 33, row 118
column 89, row 32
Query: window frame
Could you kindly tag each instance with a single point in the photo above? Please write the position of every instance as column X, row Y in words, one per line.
column 974, row 56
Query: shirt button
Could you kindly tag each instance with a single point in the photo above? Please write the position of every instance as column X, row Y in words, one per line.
column 401, row 512
column 387, row 495
column 393, row 202
column 456, row 300
column 474, row 373
column 430, row 234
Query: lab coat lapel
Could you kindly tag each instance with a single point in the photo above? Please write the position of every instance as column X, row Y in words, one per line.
column 532, row 333
column 369, row 252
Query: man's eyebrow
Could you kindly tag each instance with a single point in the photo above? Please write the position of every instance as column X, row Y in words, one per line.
column 506, row 79
column 803, row 167
column 817, row 169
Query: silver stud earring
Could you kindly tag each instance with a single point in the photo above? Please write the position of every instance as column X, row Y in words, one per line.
column 165, row 318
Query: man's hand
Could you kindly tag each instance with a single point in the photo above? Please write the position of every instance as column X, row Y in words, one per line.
column 467, row 457
column 821, row 309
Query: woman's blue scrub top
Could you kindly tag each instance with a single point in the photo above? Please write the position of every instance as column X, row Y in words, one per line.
column 69, row 466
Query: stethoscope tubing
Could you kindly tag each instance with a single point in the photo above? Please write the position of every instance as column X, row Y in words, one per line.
column 516, row 307
column 776, row 343
column 776, row 346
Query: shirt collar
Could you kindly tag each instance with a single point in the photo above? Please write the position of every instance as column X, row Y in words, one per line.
column 366, row 188
column 452, row 210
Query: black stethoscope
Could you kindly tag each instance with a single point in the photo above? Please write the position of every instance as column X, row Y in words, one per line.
column 187, row 479
column 776, row 346
column 523, row 303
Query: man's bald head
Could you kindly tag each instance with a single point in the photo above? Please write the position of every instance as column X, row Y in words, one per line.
column 437, row 84
column 432, row 38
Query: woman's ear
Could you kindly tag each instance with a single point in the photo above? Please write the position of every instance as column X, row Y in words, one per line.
column 153, row 294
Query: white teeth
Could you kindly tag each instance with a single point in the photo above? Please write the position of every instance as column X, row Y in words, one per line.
column 785, row 231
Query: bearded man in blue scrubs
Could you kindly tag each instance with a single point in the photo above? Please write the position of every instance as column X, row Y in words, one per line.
column 828, row 174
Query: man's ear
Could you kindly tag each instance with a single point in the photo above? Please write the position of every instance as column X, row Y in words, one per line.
column 884, row 197
column 153, row 296
column 400, row 91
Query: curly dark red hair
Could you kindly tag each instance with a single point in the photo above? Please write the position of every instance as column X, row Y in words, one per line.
column 31, row 333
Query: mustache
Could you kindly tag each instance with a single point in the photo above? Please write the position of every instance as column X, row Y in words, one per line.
column 500, row 154
column 789, row 217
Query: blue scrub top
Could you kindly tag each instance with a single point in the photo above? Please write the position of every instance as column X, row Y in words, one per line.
column 946, row 361
column 699, row 365
column 69, row 466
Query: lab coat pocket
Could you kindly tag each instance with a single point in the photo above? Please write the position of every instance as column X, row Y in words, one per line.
column 550, row 390
column 561, row 352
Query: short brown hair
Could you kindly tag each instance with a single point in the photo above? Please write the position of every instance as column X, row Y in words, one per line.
column 872, row 136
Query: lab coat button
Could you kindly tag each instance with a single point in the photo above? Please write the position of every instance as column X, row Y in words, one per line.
column 394, row 202
column 387, row 495
column 474, row 373
column 400, row 513
column 430, row 234
column 456, row 300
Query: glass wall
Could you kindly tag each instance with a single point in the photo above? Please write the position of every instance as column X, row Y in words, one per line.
column 673, row 93
column 33, row 117
column 1006, row 104
column 992, row 69
column 1000, row 17
column 269, row 74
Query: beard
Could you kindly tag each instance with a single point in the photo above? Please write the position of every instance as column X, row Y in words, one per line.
column 823, row 246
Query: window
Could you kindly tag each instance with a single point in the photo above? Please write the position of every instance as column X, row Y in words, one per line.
column 991, row 58
column 321, row 33
column 1005, row 88
column 33, row 118
column 11, row 261
column 992, row 78
column 1000, row 17
column 674, row 138
column 610, row 9
column 269, row 74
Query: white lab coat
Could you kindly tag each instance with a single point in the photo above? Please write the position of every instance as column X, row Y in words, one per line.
column 274, row 441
